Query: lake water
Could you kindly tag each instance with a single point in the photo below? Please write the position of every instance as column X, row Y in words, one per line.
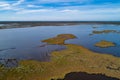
column 25, row 43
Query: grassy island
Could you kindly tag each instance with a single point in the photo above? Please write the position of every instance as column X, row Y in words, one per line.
column 105, row 31
column 105, row 44
column 74, row 59
column 59, row 39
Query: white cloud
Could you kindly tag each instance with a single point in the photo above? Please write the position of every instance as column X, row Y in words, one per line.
column 52, row 1
column 72, row 11
column 102, row 11
column 32, row 11
column 18, row 2
column 33, row 6
column 69, row 11
column 82, row 12
column 12, row 7
column 3, row 4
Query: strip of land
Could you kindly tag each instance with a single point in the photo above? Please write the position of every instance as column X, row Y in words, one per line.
column 23, row 24
column 105, row 31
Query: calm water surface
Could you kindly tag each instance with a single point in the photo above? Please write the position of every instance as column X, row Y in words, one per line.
column 25, row 43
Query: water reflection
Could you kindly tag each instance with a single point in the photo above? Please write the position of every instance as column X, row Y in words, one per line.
column 25, row 43
column 10, row 58
column 9, row 63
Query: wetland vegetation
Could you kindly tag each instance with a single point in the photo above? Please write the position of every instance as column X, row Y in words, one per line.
column 74, row 58
column 59, row 39
column 105, row 44
column 104, row 31
column 64, row 52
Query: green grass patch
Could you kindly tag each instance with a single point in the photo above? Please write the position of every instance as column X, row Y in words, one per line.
column 59, row 39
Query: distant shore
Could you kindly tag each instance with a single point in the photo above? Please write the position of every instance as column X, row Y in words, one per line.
column 22, row 24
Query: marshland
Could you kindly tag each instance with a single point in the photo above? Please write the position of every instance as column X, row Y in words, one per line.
column 50, row 51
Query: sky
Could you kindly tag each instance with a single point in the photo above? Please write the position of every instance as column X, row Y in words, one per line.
column 59, row 10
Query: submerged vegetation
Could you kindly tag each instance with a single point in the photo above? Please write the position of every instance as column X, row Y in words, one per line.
column 105, row 44
column 73, row 59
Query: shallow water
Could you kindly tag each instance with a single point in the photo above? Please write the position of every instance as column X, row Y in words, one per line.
column 25, row 43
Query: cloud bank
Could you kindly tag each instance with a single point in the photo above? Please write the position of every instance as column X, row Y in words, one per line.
column 47, row 10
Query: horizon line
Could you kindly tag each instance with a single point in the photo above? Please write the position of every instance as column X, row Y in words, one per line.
column 54, row 21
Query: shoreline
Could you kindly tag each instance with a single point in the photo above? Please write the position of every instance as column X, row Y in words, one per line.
column 24, row 24
column 76, row 59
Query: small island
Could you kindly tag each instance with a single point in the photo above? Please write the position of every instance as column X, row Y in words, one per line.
column 105, row 31
column 59, row 39
column 105, row 44
column 94, row 27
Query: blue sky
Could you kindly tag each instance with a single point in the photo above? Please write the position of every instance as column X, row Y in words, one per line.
column 59, row 10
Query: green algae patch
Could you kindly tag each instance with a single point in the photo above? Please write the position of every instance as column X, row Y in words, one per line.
column 105, row 44
column 59, row 39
